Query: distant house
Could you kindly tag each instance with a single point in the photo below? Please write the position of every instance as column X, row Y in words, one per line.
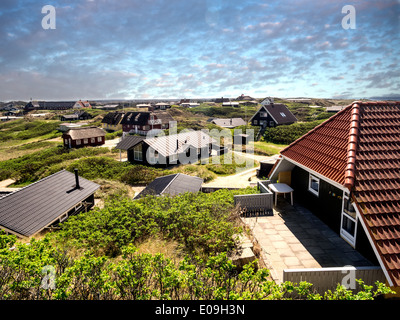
column 242, row 97
column 9, row 118
column 272, row 115
column 45, row 203
column 172, row 184
column 334, row 108
column 230, row 104
column 183, row 101
column 267, row 101
column 143, row 122
column 162, row 105
column 84, row 137
column 78, row 115
column 346, row 171
column 229, row 123
column 112, row 121
column 81, row 104
column 190, row 104
column 143, row 105
column 181, row 148
column 49, row 105
column 108, row 107
column 221, row 100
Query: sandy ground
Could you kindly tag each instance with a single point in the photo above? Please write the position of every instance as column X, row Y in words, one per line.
column 111, row 143
column 242, row 179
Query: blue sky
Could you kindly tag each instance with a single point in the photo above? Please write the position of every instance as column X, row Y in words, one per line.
column 103, row 49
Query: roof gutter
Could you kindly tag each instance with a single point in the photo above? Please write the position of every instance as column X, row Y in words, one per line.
column 349, row 176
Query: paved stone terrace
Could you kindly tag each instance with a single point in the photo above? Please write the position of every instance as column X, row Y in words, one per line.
column 294, row 238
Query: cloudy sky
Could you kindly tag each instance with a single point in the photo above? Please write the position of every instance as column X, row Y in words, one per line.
column 108, row 49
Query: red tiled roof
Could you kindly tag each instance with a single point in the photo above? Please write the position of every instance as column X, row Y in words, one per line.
column 359, row 148
column 377, row 183
column 324, row 149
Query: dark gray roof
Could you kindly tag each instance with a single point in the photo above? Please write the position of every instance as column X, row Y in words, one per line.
column 136, row 118
column 279, row 112
column 172, row 184
column 85, row 133
column 128, row 142
column 36, row 206
column 113, row 118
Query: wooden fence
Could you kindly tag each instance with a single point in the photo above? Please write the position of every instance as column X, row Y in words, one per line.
column 263, row 186
column 324, row 279
column 255, row 204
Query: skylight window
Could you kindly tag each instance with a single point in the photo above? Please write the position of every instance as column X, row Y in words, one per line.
column 283, row 115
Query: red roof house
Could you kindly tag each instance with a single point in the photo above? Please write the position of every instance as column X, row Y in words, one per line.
column 347, row 170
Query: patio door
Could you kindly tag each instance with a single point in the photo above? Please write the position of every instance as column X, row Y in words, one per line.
column 348, row 225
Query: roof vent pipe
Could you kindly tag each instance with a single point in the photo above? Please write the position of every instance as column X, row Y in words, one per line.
column 77, row 186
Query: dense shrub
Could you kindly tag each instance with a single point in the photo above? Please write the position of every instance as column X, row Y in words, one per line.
column 40, row 271
column 34, row 166
column 199, row 222
column 29, row 129
column 99, row 167
column 286, row 134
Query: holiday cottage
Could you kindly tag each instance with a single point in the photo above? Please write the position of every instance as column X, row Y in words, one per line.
column 84, row 137
column 346, row 171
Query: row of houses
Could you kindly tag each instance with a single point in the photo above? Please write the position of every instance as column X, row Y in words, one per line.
column 346, row 171
column 56, row 105
column 137, row 122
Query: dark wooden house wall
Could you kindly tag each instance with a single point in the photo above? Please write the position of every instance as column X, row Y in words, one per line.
column 88, row 144
column 327, row 206
column 163, row 162
column 258, row 117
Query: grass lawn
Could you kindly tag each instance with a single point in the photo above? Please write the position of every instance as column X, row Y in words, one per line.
column 267, row 148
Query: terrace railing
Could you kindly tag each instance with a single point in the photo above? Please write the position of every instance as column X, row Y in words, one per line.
column 324, row 279
column 256, row 204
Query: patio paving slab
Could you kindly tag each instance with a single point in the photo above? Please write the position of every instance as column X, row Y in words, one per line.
column 294, row 238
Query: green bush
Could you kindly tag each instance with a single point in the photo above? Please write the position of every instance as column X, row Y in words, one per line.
column 199, row 222
column 37, row 165
column 286, row 134
column 29, row 129
column 41, row 271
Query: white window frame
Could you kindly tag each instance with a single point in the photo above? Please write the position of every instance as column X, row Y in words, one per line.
column 78, row 142
column 348, row 237
column 310, row 178
column 85, row 141
column 92, row 140
column 272, row 124
column 98, row 139
column 283, row 115
column 138, row 153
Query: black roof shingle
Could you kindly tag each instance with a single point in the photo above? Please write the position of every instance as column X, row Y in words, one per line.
column 36, row 206
column 172, row 184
